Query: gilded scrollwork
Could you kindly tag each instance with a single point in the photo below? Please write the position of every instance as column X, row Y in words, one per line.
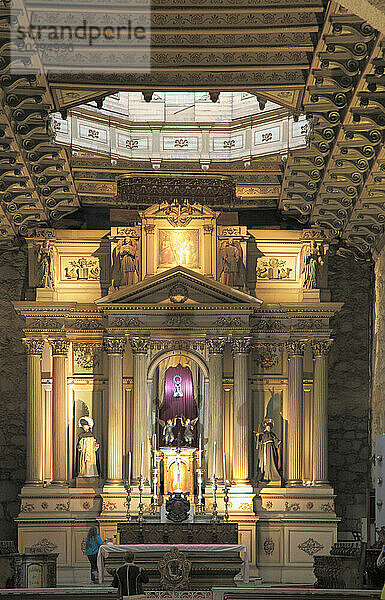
column 321, row 347
column 87, row 354
column 267, row 355
column 295, row 347
column 241, row 345
column 139, row 345
column 310, row 546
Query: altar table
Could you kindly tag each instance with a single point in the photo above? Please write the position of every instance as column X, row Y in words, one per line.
column 107, row 549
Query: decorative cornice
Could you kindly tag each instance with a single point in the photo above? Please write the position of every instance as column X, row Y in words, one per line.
column 216, row 345
column 321, row 347
column 295, row 347
column 59, row 347
column 114, row 345
column 33, row 347
column 139, row 345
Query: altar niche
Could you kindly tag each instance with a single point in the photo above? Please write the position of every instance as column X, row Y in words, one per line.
column 178, row 417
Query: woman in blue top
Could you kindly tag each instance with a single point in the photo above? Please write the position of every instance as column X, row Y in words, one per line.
column 93, row 542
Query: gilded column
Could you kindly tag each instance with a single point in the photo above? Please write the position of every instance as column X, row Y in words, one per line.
column 35, row 432
column 295, row 350
column 215, row 432
column 139, row 348
column 320, row 350
column 114, row 348
column 240, row 348
column 59, row 412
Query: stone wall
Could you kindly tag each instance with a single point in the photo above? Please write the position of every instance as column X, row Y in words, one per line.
column 349, row 390
column 13, row 279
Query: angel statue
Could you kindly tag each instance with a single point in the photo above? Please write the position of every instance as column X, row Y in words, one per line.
column 268, row 452
column 168, row 434
column 189, row 425
column 87, row 458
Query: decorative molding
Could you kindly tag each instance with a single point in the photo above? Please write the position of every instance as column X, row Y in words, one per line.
column 178, row 293
column 294, row 506
column 43, row 546
column 45, row 324
column 126, row 322
column 321, row 347
column 241, row 345
column 59, row 347
column 86, row 325
column 27, row 507
column 83, row 269
column 139, row 345
column 108, row 506
column 33, row 346
column 328, row 507
column 273, row 269
column 216, row 345
column 268, row 546
column 63, row 506
column 295, row 347
column 114, row 345
column 268, row 325
column 267, row 355
column 149, row 228
column 127, row 232
column 303, row 324
column 198, row 345
column 87, row 354
column 310, row 546
column 179, row 320
column 229, row 322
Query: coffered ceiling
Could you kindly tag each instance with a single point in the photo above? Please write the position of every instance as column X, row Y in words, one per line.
column 309, row 56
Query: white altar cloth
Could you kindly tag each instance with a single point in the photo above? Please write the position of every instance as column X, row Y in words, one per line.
column 106, row 549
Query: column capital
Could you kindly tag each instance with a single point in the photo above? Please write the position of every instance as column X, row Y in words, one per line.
column 241, row 345
column 114, row 345
column 139, row 345
column 59, row 346
column 33, row 347
column 295, row 347
column 216, row 345
column 320, row 347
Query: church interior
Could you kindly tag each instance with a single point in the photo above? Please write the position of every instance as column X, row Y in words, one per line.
column 192, row 296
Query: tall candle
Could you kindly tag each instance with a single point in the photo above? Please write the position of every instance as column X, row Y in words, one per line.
column 224, row 467
column 141, row 461
column 154, row 450
column 214, row 457
column 129, row 468
column 200, row 452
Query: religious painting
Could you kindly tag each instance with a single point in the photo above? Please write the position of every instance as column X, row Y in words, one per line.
column 179, row 247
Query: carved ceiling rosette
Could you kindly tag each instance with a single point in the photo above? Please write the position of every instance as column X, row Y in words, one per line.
column 216, row 345
column 295, row 347
column 139, row 345
column 59, row 347
column 321, row 347
column 114, row 345
column 33, row 346
column 241, row 345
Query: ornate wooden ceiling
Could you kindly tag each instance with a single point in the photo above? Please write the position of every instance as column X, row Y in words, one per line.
column 308, row 55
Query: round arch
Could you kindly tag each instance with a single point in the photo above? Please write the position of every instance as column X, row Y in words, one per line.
column 163, row 355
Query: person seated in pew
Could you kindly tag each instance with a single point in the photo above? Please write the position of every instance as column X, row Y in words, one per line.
column 129, row 578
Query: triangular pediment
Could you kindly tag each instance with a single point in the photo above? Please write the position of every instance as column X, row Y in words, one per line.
column 178, row 286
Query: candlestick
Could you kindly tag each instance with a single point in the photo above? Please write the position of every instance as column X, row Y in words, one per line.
column 226, row 500
column 214, row 457
column 141, row 461
column 129, row 468
column 224, row 467
column 200, row 453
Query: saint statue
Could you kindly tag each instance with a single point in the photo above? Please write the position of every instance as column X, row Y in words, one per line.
column 311, row 261
column 125, row 263
column 168, row 434
column 189, row 425
column 233, row 272
column 268, row 452
column 87, row 457
column 45, row 258
column 177, row 379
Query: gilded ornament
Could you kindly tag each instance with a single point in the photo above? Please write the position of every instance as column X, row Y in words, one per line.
column 59, row 347
column 33, row 347
column 178, row 293
column 216, row 345
column 114, row 345
column 267, row 355
column 268, row 546
column 43, row 546
column 321, row 347
column 174, row 569
column 228, row 322
column 295, row 347
column 45, row 324
column 294, row 506
column 127, row 322
column 179, row 321
column 83, row 269
column 310, row 546
column 139, row 345
column 108, row 506
column 86, row 355
column 273, row 269
column 86, row 325
column 328, row 507
column 27, row 507
column 63, row 506
column 241, row 345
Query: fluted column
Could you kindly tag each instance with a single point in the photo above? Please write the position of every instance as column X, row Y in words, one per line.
column 240, row 348
column 320, row 350
column 295, row 349
column 139, row 348
column 59, row 412
column 35, row 432
column 114, row 348
column 215, row 432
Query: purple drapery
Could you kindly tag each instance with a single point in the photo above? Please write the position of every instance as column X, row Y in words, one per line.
column 178, row 406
